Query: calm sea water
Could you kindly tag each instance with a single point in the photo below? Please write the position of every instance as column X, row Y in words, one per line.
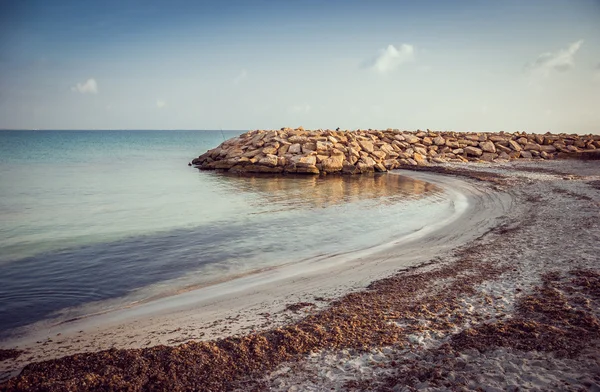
column 94, row 220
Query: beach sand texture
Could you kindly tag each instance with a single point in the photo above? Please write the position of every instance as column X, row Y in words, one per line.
column 504, row 296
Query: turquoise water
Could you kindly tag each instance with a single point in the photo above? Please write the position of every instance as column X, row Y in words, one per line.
column 94, row 220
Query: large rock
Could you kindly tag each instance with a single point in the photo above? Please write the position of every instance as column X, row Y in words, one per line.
column 514, row 145
column 333, row 164
column 473, row 151
column 295, row 148
column 366, row 145
column 270, row 150
column 487, row 146
column 309, row 169
column 531, row 146
column 439, row 141
column 411, row 139
column 270, row 160
column 420, row 159
column 452, row 144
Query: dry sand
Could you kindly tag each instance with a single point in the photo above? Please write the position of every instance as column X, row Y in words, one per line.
column 498, row 302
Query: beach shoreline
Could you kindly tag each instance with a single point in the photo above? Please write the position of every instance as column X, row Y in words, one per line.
column 161, row 321
column 501, row 197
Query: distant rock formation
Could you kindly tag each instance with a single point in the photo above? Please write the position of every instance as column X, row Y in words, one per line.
column 365, row 151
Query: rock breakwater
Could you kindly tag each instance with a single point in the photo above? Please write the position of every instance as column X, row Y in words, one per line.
column 365, row 151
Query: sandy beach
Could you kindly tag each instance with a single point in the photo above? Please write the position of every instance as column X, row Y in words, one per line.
column 504, row 295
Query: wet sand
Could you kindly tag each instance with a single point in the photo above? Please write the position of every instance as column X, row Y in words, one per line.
column 478, row 289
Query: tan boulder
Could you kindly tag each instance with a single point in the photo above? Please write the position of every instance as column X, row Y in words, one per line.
column 340, row 147
column 348, row 168
column 439, row 141
column 364, row 167
column 369, row 161
column 526, row 154
column 269, row 160
column 295, row 148
column 487, row 146
column 452, row 144
column 251, row 153
column 503, row 155
column 488, row 156
column 387, row 148
column 473, row 151
column 514, row 145
column 308, row 169
column 321, row 158
column 380, row 155
column 505, row 149
column 420, row 150
column 539, row 139
column 333, row 164
column 391, row 164
column 420, row 159
column 270, row 150
column 366, row 145
column 497, row 139
column 283, row 149
column 297, row 139
column 308, row 147
column 531, row 147
column 411, row 139
column 380, row 167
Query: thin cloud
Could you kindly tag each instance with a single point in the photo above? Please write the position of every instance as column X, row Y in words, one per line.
column 391, row 58
column 160, row 103
column 89, row 87
column 560, row 61
column 297, row 109
column 241, row 76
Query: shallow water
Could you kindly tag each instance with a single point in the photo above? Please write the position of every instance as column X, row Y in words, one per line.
column 95, row 220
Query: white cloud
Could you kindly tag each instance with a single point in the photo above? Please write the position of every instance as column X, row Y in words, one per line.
column 241, row 76
column 160, row 103
column 560, row 61
column 391, row 58
column 296, row 109
column 89, row 87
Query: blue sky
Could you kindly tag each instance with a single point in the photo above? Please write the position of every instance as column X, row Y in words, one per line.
column 464, row 65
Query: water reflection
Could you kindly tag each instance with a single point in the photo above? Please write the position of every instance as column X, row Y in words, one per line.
column 300, row 191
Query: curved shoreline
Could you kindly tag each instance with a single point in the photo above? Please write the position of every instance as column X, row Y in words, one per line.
column 164, row 321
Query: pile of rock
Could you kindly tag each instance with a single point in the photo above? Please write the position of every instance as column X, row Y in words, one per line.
column 363, row 151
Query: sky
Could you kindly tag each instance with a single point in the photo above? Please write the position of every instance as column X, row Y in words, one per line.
column 462, row 65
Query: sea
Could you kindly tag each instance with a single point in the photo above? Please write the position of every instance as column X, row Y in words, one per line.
column 94, row 221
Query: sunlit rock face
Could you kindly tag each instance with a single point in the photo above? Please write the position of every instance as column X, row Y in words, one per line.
column 366, row 151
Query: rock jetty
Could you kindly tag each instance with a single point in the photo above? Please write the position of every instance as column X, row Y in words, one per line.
column 365, row 151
